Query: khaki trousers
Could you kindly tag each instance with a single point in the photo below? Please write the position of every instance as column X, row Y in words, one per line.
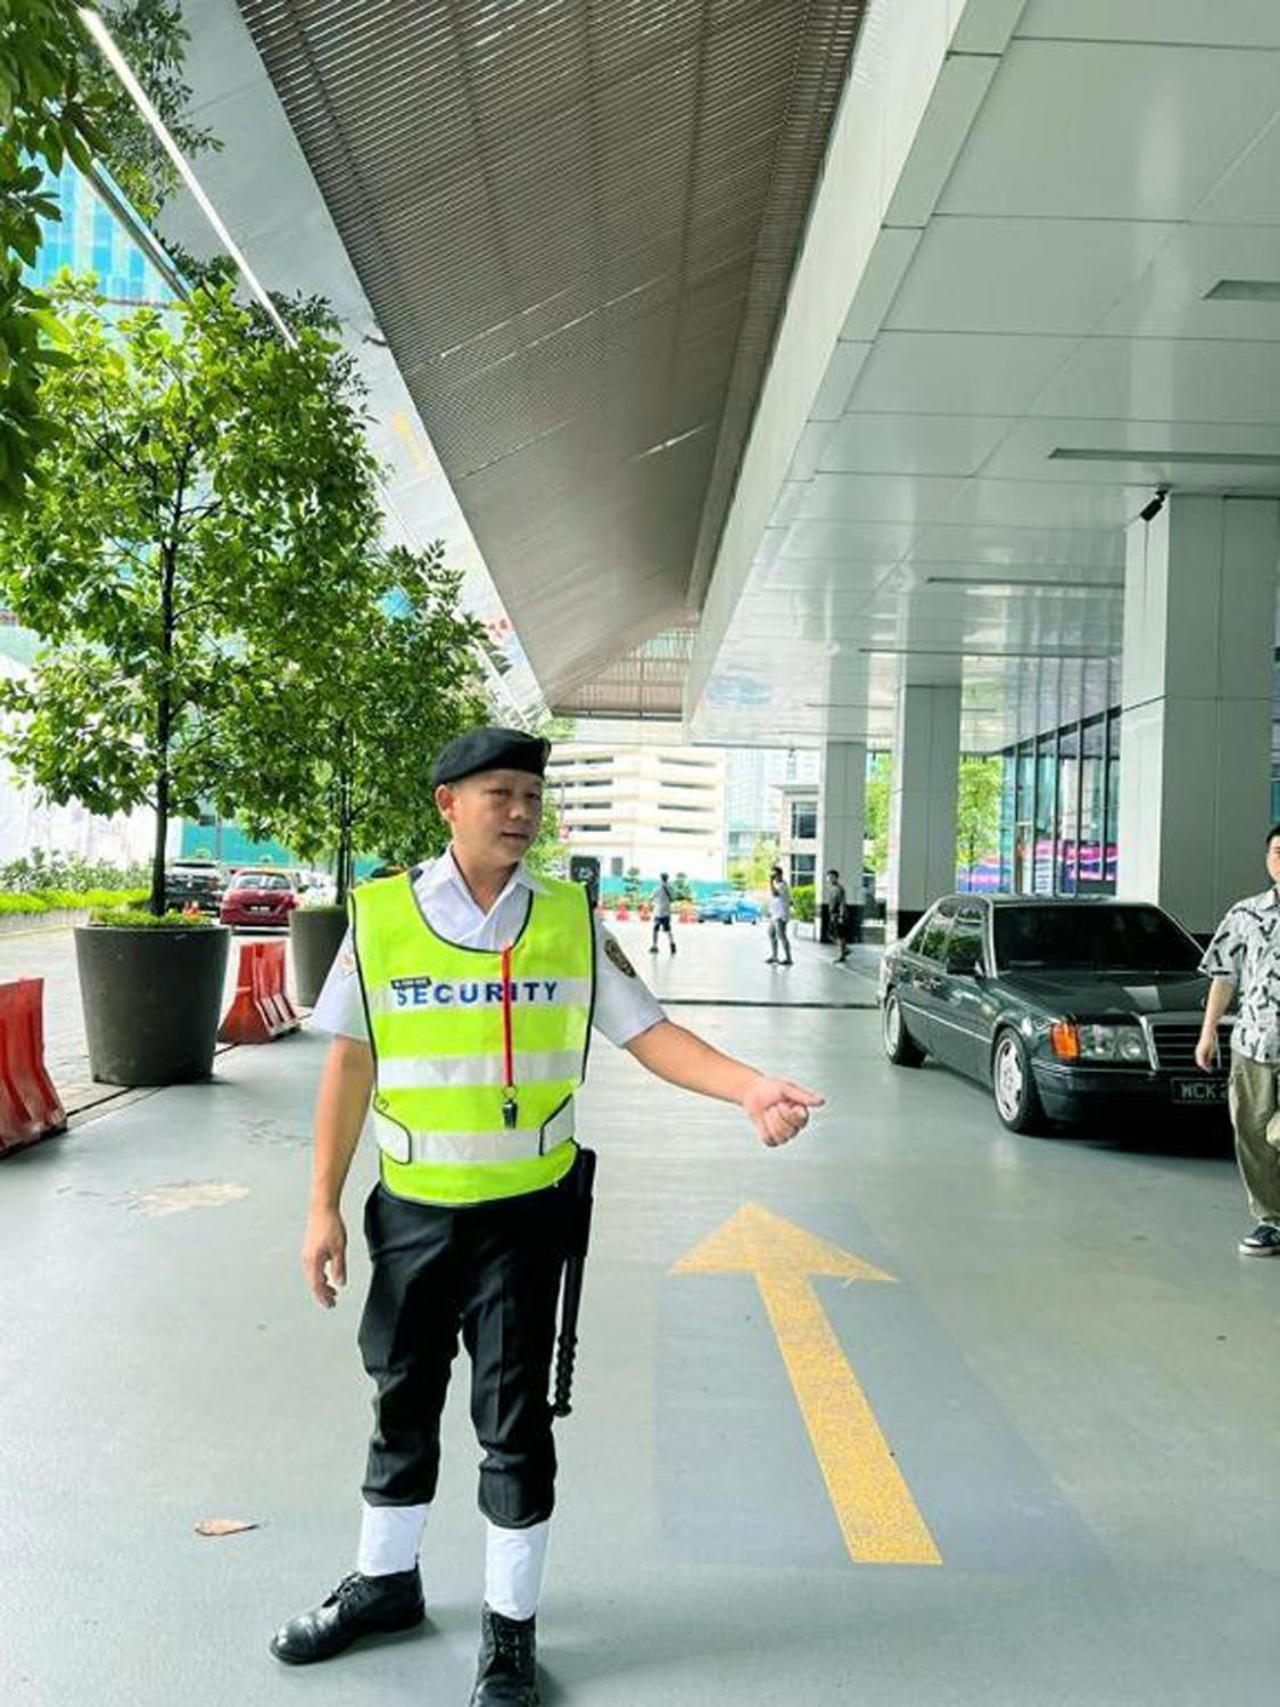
column 1255, row 1114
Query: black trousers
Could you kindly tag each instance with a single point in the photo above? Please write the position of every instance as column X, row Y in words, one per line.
column 491, row 1273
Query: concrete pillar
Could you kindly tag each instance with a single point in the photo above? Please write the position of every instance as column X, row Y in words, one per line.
column 922, row 803
column 843, row 819
column 1195, row 741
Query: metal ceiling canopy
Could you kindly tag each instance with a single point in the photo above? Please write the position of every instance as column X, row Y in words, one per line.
column 576, row 221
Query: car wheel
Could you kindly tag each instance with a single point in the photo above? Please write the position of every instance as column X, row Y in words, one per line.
column 899, row 1045
column 1017, row 1099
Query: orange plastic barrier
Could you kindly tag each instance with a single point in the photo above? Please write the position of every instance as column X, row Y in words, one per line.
column 261, row 1011
column 29, row 1105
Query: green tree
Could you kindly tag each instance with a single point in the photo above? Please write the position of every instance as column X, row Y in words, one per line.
column 335, row 751
column 753, row 872
column 210, row 490
column 978, row 809
column 46, row 118
column 60, row 100
column 879, row 781
column 631, row 886
column 680, row 890
column 153, row 38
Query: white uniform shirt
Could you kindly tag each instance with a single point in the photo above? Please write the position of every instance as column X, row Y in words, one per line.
column 780, row 903
column 624, row 1004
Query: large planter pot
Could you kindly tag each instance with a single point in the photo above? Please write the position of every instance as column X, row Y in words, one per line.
column 152, row 998
column 316, row 934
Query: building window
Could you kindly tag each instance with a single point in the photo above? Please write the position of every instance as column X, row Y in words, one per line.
column 804, row 821
column 1059, row 810
column 802, row 868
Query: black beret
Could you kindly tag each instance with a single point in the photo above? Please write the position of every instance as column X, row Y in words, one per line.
column 490, row 750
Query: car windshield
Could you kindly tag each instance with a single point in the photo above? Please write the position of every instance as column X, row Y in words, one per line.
column 261, row 880
column 1102, row 939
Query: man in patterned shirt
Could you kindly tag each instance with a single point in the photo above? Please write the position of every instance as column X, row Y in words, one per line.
column 1244, row 959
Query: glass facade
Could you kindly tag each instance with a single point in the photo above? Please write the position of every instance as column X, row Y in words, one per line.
column 1060, row 809
column 89, row 238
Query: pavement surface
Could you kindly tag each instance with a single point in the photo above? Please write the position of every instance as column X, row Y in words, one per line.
column 910, row 1412
column 51, row 955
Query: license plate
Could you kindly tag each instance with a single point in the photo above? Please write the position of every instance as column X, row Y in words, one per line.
column 1206, row 1091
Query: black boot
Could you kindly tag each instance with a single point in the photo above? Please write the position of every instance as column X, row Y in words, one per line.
column 507, row 1675
column 359, row 1606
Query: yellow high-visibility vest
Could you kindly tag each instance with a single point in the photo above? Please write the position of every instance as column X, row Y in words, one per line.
column 478, row 1052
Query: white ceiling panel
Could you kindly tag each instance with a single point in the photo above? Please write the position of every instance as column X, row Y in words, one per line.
column 911, row 444
column 838, row 382
column 1246, row 194
column 848, row 542
column 1170, row 300
column 1092, row 130
column 1038, row 504
column 1057, row 300
column 875, row 498
column 931, row 373
column 1022, row 275
column 1065, row 547
column 1217, row 23
column 1137, row 454
column 1166, row 379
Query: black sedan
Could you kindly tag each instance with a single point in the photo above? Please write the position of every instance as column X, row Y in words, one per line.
column 1067, row 1009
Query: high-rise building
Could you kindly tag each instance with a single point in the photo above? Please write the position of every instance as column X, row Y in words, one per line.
column 649, row 808
column 754, row 776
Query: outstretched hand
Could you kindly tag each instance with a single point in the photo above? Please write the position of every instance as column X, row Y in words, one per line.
column 779, row 1108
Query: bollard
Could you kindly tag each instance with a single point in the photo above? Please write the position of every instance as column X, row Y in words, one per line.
column 29, row 1105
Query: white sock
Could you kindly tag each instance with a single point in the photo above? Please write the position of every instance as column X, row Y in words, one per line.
column 513, row 1562
column 390, row 1536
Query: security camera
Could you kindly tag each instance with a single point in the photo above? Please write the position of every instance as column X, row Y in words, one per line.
column 1150, row 511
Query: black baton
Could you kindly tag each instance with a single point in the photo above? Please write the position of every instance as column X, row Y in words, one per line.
column 578, row 1236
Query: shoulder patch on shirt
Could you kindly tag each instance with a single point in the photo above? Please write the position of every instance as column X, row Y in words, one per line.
column 613, row 951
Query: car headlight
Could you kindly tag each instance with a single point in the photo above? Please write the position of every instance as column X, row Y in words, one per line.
column 1122, row 1043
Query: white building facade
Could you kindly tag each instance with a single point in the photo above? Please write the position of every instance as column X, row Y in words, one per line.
column 650, row 808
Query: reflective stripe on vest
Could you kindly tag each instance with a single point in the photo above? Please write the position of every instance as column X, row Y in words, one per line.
column 436, row 1025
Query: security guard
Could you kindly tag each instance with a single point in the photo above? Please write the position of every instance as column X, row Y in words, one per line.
column 462, row 1003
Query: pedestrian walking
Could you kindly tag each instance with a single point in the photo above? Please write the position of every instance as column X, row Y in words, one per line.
column 661, row 903
column 779, row 917
column 1243, row 959
column 461, row 1006
column 837, row 915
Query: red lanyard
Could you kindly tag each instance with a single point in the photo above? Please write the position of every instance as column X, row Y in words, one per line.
column 509, row 1109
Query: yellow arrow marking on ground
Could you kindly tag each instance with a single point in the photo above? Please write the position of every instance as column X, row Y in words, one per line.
column 879, row 1519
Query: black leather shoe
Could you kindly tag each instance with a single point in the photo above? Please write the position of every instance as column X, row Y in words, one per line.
column 359, row 1606
column 508, row 1672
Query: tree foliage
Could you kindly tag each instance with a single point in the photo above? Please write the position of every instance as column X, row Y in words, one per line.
column 209, row 498
column 978, row 809
column 752, row 873
column 153, row 39
column 335, row 752
column 44, row 118
column 60, row 100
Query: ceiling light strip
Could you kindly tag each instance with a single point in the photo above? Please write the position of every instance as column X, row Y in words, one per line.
column 93, row 22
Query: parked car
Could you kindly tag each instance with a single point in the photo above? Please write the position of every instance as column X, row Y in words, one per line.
column 728, row 908
column 1068, row 1010
column 319, row 889
column 258, row 898
column 198, row 881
